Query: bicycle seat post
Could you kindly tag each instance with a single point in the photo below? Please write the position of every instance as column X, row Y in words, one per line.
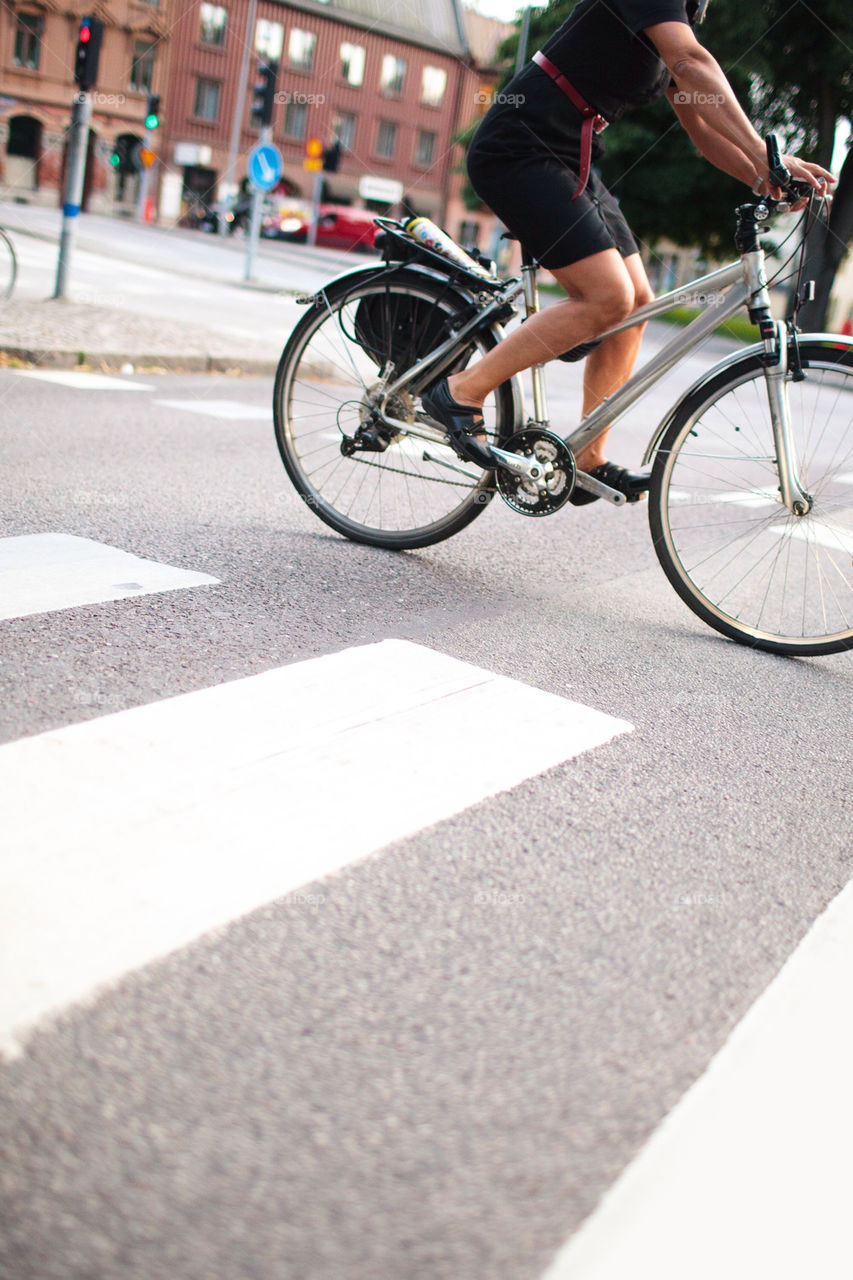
column 529, row 276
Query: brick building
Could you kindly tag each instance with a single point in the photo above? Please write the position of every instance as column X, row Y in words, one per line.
column 391, row 81
column 38, row 40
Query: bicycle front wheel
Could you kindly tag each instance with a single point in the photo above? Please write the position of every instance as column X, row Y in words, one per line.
column 406, row 493
column 8, row 265
column 737, row 557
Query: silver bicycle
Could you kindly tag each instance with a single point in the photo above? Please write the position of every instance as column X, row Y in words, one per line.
column 751, row 497
column 8, row 265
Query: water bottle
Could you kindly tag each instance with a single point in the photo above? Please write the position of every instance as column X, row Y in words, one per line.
column 432, row 237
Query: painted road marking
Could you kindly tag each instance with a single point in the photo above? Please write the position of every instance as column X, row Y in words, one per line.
column 169, row 820
column 749, row 1175
column 231, row 410
column 83, row 381
column 834, row 537
column 42, row 572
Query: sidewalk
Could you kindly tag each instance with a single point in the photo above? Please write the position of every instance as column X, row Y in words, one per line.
column 59, row 334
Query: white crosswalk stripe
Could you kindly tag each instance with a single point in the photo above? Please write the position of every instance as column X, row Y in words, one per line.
column 42, row 572
column 169, row 820
column 82, row 381
column 229, row 410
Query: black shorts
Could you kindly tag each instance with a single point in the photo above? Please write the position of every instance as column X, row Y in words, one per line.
column 532, row 196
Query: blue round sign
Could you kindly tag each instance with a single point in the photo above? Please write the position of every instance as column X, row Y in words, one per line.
column 265, row 166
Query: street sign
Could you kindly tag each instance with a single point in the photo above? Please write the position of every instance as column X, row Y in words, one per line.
column 265, row 166
column 385, row 189
column 147, row 157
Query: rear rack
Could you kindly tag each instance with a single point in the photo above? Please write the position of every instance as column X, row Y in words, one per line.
column 397, row 245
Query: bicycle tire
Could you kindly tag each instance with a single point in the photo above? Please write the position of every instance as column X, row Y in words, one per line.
column 395, row 499
column 740, row 560
column 8, row 265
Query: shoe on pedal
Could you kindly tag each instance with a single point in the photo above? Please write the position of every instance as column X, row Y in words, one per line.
column 462, row 422
column 632, row 483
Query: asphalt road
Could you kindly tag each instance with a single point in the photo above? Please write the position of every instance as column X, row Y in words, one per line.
column 434, row 1063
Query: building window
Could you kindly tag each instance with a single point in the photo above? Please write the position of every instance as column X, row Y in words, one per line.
column 352, row 63
column 386, row 139
column 213, row 18
column 142, row 67
column 392, row 77
column 344, row 129
column 206, row 99
column 29, row 30
column 433, row 85
column 296, row 120
column 425, row 150
column 269, row 40
column 300, row 49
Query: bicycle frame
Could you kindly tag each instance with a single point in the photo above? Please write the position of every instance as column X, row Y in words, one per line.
column 738, row 284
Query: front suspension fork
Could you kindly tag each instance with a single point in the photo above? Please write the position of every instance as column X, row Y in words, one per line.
column 794, row 495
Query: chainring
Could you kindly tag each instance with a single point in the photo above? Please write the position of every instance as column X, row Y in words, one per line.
column 526, row 496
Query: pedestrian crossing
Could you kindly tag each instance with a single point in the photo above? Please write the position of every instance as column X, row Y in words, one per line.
column 172, row 820
column 200, row 808
column 43, row 572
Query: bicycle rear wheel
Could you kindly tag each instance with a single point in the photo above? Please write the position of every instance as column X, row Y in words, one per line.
column 8, row 265
column 409, row 493
column 743, row 562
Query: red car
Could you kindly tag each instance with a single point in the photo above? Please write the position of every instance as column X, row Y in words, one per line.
column 339, row 226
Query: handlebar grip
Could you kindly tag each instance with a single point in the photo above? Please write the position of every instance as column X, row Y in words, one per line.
column 779, row 175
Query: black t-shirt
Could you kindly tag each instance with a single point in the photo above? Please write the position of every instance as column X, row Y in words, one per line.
column 602, row 52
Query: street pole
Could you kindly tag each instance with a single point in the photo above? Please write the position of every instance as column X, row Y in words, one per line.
column 315, row 206
column 255, row 216
column 143, row 178
column 521, row 55
column 239, row 108
column 75, row 174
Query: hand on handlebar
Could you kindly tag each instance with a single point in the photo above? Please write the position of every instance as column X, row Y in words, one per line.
column 791, row 179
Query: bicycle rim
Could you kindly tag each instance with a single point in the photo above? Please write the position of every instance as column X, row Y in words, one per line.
column 8, row 266
column 399, row 497
column 742, row 562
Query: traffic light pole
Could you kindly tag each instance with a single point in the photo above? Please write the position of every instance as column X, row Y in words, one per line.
column 255, row 217
column 75, row 173
column 144, row 179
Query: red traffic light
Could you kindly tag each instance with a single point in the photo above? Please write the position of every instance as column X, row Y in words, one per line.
column 85, row 33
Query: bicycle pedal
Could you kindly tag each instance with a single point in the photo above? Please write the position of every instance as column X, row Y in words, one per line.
column 601, row 490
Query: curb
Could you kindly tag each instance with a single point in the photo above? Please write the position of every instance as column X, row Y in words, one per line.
column 112, row 362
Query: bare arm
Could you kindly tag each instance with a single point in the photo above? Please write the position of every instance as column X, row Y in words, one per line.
column 712, row 145
column 703, row 87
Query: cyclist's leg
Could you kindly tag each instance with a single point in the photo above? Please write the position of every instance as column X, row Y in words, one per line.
column 610, row 365
column 600, row 291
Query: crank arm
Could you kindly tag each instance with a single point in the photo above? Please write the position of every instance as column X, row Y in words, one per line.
column 529, row 468
column 584, row 481
column 451, row 466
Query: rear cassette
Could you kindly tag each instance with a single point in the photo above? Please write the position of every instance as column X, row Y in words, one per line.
column 538, row 497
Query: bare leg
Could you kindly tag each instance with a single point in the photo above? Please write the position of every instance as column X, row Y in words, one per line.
column 601, row 293
column 609, row 366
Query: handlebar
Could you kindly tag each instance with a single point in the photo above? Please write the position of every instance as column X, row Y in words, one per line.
column 793, row 188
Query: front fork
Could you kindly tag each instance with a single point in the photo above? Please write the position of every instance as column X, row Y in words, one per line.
column 794, row 496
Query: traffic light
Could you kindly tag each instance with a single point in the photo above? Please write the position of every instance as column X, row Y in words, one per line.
column 88, row 51
column 152, row 113
column 332, row 158
column 263, row 94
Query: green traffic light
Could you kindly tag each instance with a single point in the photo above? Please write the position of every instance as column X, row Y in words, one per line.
column 115, row 159
column 151, row 121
